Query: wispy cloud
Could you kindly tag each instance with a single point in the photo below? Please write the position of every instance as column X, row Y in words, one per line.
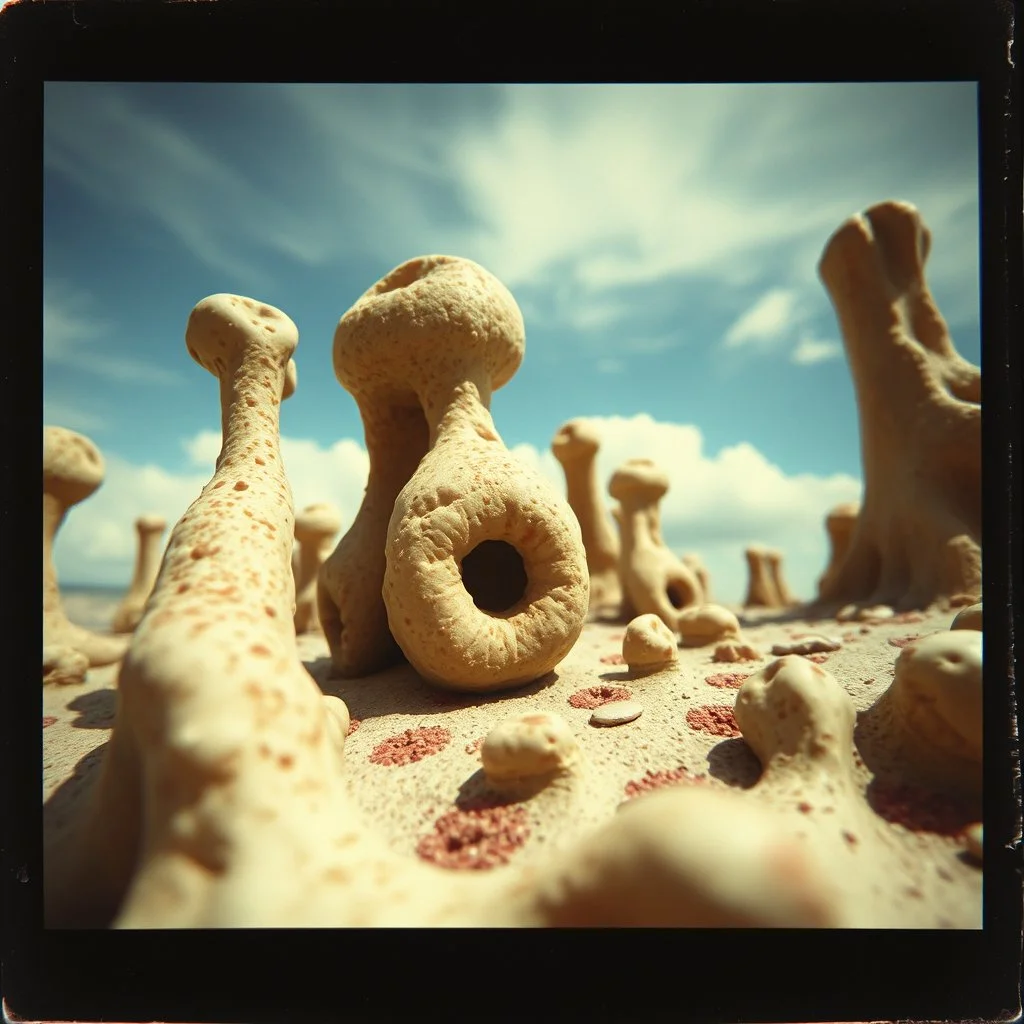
column 814, row 350
column 769, row 319
column 61, row 413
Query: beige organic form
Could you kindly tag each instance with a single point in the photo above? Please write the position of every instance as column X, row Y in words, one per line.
column 968, row 618
column 648, row 645
column 64, row 666
column 800, row 723
column 931, row 714
column 762, row 588
column 532, row 745
column 696, row 564
column 707, row 624
column 839, row 525
column 315, row 528
column 72, row 469
column 653, row 579
column 467, row 560
column 575, row 446
column 917, row 540
column 786, row 598
column 149, row 528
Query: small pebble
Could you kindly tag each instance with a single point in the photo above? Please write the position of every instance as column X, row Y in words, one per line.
column 813, row 644
column 616, row 713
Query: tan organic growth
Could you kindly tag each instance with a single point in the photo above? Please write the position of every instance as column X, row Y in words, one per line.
column 64, row 666
column 575, row 446
column 839, row 525
column 696, row 564
column 653, row 579
column 648, row 645
column 72, row 469
column 150, row 529
column 785, row 595
column 468, row 560
column 707, row 624
column 315, row 527
column 968, row 618
column 762, row 589
column 531, row 745
column 917, row 540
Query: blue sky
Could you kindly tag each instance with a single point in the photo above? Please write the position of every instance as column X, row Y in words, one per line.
column 661, row 240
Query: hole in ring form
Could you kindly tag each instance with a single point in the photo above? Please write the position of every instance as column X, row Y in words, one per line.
column 494, row 575
column 678, row 596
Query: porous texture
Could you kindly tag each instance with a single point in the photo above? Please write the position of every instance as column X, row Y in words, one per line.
column 72, row 470
column 706, row 624
column 575, row 445
column 917, row 539
column 315, row 528
column 469, row 561
column 648, row 645
column 654, row 580
column 527, row 746
column 150, row 529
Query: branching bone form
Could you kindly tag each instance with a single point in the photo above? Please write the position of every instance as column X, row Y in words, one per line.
column 315, row 527
column 575, row 446
column 839, row 525
column 149, row 528
column 72, row 470
column 469, row 561
column 917, row 540
column 654, row 580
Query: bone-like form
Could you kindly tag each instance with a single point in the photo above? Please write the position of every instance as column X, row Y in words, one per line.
column 575, row 445
column 931, row 714
column 800, row 723
column 479, row 566
column 315, row 527
column 839, row 525
column 532, row 745
column 648, row 645
column 696, row 564
column 212, row 784
column 707, row 624
column 762, row 591
column 147, row 564
column 64, row 666
column 72, row 470
column 785, row 595
column 968, row 618
column 917, row 540
column 654, row 580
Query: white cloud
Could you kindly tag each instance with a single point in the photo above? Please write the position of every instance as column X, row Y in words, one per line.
column 768, row 319
column 58, row 412
column 814, row 350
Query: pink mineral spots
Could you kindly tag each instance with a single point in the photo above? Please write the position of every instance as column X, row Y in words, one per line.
column 48, row 720
column 475, row 839
column 594, row 696
column 652, row 780
column 410, row 745
column 726, row 680
column 715, row 719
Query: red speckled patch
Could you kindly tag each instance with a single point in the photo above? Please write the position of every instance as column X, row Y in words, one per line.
column 474, row 747
column 475, row 839
column 818, row 659
column 716, row 719
column 48, row 720
column 657, row 780
column 612, row 659
column 727, row 680
column 919, row 809
column 594, row 696
column 902, row 641
column 353, row 724
column 411, row 745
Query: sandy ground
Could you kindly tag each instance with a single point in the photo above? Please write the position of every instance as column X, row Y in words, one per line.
column 940, row 885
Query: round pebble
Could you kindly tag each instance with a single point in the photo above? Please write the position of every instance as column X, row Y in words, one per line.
column 618, row 712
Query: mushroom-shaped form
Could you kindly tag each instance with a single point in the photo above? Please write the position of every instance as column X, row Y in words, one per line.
column 653, row 579
column 968, row 618
column 64, row 666
column 315, row 528
column 479, row 567
column 917, row 540
column 690, row 856
column 774, row 558
column 700, row 570
column 648, row 645
column 575, row 446
column 536, row 745
column 839, row 525
column 761, row 589
column 147, row 564
column 72, row 469
column 930, row 718
column 707, row 624
column 218, row 781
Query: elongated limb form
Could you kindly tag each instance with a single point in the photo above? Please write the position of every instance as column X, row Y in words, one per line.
column 149, row 528
column 315, row 527
column 471, row 563
column 72, row 470
column 917, row 540
column 761, row 589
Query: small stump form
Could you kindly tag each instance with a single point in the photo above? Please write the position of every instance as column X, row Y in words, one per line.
column 150, row 529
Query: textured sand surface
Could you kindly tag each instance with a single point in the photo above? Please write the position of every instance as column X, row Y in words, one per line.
column 939, row 885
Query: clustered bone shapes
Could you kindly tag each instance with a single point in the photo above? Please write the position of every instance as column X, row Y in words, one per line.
column 150, row 529
column 460, row 558
column 221, row 799
column 917, row 538
column 766, row 587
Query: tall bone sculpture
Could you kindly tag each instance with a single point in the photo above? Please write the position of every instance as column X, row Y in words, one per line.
column 315, row 527
column 575, row 445
column 461, row 556
column 917, row 540
column 72, row 470
column 150, row 529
